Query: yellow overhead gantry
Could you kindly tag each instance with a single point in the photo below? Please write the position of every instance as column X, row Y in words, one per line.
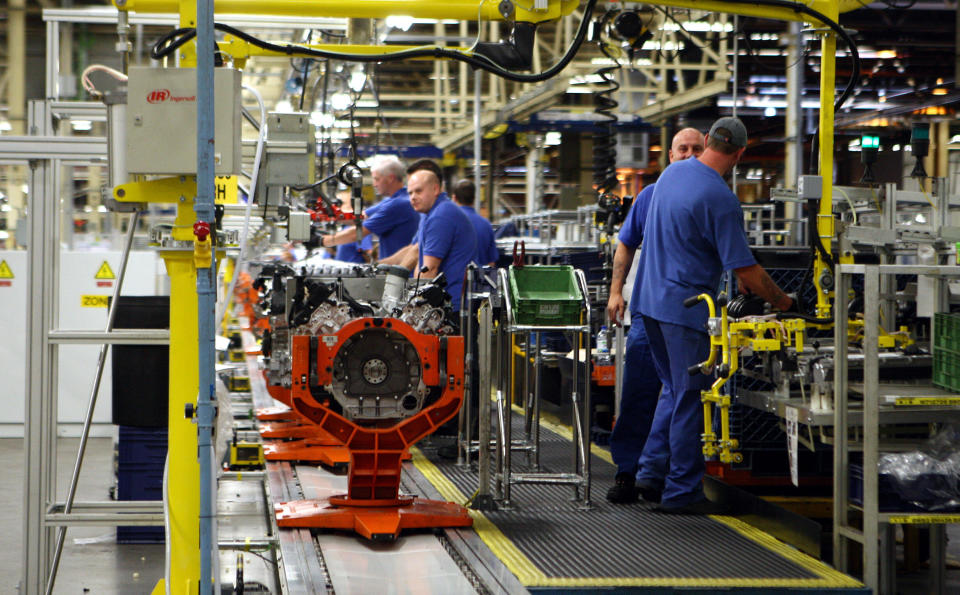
column 182, row 267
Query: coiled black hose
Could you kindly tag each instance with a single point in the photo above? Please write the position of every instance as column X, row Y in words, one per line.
column 605, row 139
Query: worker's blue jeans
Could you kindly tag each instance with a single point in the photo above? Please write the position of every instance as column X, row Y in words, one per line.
column 638, row 400
column 672, row 458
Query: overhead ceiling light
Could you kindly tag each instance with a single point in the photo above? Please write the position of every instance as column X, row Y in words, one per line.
column 81, row 125
column 321, row 119
column 939, row 91
column 340, row 101
column 400, row 22
column 358, row 80
column 552, row 139
column 886, row 53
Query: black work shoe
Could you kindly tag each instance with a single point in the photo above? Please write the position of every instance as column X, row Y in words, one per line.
column 699, row 507
column 651, row 495
column 624, row 490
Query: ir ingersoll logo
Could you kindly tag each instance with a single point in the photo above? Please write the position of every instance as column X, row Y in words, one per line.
column 158, row 96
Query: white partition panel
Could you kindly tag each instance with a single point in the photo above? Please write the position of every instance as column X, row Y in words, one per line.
column 82, row 307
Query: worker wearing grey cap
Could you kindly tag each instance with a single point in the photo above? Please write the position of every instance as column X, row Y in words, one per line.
column 694, row 232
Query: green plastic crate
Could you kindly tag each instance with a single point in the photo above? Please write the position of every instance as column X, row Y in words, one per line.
column 545, row 295
column 946, row 331
column 946, row 369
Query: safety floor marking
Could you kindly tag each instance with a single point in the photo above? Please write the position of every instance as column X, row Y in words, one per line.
column 531, row 576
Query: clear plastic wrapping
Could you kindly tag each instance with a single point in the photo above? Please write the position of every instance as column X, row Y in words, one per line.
column 927, row 478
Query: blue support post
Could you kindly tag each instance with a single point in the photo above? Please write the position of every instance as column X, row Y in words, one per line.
column 206, row 292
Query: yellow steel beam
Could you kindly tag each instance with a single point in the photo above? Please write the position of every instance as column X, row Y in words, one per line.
column 241, row 50
column 465, row 10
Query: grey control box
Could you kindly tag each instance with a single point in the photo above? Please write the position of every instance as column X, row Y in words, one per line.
column 291, row 150
column 162, row 121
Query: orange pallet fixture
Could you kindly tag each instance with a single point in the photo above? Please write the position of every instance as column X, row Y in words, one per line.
column 372, row 505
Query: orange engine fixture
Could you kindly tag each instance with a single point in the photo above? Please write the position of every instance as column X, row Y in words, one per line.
column 378, row 386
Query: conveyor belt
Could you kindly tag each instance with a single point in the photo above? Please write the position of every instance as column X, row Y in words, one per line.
column 548, row 543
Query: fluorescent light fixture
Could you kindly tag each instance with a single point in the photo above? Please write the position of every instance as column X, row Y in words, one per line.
column 552, row 139
column 670, row 46
column 854, row 145
column 81, row 125
column 358, row 80
column 400, row 22
column 340, row 101
column 322, row 120
column 698, row 26
column 896, row 147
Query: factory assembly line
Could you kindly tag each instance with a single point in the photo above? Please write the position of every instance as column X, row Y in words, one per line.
column 367, row 432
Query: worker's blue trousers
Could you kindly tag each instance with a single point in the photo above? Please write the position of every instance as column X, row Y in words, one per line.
column 672, row 458
column 641, row 387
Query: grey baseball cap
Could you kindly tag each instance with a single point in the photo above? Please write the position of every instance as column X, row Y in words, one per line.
column 734, row 132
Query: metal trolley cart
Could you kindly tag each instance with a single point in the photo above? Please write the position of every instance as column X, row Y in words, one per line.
column 539, row 299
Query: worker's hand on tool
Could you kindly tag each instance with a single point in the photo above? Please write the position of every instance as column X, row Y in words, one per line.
column 615, row 308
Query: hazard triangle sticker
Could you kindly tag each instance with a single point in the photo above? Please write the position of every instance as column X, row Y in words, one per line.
column 5, row 271
column 105, row 272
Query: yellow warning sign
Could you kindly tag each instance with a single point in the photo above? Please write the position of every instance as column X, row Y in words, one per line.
column 5, row 271
column 924, row 519
column 928, row 401
column 105, row 272
column 94, row 301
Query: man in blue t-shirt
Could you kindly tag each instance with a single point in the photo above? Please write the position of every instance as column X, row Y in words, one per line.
column 487, row 253
column 393, row 220
column 446, row 239
column 641, row 386
column 693, row 232
column 353, row 252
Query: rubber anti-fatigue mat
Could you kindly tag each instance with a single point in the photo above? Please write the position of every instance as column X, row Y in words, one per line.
column 547, row 542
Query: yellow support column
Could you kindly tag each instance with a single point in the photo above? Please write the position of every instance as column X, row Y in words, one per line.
column 183, row 471
column 825, row 227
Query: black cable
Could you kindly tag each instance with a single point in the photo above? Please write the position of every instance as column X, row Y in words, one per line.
column 306, row 73
column 170, row 42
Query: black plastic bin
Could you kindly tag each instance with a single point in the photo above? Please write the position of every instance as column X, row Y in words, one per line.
column 140, row 372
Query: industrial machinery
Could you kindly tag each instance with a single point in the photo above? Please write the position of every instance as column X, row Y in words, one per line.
column 372, row 368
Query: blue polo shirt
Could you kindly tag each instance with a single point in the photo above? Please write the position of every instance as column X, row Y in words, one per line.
column 394, row 221
column 486, row 246
column 349, row 252
column 446, row 233
column 693, row 232
column 631, row 235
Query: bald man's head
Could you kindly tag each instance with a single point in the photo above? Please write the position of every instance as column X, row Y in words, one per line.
column 686, row 144
column 423, row 188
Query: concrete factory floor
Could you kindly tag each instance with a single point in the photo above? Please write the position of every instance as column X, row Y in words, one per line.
column 92, row 562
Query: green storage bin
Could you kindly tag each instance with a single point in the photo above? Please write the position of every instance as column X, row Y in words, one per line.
column 946, row 369
column 946, row 331
column 545, row 295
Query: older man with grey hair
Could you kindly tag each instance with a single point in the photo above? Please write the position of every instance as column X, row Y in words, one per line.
column 393, row 219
